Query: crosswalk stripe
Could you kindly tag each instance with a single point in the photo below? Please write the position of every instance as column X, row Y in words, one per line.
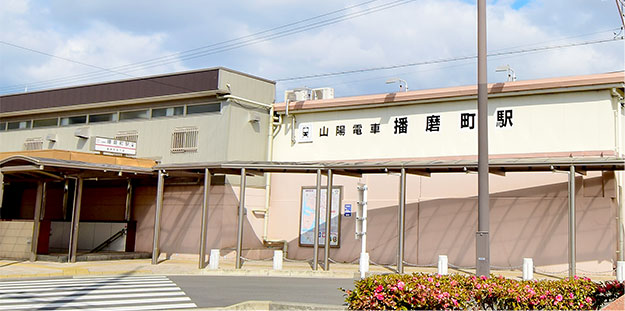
column 92, row 303
column 139, row 308
column 83, row 284
column 94, row 286
column 85, row 279
column 107, row 293
column 94, row 291
column 89, row 297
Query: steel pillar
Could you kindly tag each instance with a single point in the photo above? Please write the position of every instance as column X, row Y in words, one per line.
column 317, row 211
column 39, row 202
column 401, row 218
column 572, row 230
column 128, row 200
column 73, row 238
column 241, row 219
column 326, row 255
column 207, row 185
column 483, row 213
column 160, row 188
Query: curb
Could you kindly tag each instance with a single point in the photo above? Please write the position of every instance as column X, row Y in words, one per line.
column 276, row 305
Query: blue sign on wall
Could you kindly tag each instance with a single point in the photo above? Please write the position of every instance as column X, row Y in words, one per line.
column 347, row 212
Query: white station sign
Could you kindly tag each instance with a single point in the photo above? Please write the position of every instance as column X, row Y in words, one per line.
column 115, row 146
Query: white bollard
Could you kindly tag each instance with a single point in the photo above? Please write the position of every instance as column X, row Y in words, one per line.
column 528, row 269
column 442, row 265
column 277, row 260
column 620, row 271
column 364, row 264
column 213, row 260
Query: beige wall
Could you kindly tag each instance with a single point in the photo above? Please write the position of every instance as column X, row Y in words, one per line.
column 545, row 123
column 529, row 218
column 15, row 239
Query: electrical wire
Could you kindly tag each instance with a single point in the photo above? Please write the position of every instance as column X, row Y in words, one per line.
column 446, row 60
column 214, row 48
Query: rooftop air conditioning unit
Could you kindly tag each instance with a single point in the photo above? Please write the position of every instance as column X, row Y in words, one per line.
column 323, row 93
column 296, row 95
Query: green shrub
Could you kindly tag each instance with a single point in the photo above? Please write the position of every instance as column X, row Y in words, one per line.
column 430, row 291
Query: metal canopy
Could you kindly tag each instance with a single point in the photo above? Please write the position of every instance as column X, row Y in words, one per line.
column 58, row 169
column 497, row 166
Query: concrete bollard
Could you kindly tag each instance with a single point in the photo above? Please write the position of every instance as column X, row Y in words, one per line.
column 620, row 271
column 528, row 269
column 277, row 260
column 442, row 265
column 364, row 264
column 213, row 260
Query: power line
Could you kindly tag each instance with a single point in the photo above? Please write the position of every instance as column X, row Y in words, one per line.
column 446, row 60
column 215, row 48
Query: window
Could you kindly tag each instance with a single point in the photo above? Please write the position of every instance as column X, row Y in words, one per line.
column 184, row 139
column 46, row 122
column 3, row 126
column 103, row 117
column 34, row 143
column 167, row 112
column 132, row 136
column 18, row 125
column 73, row 120
column 215, row 107
column 136, row 114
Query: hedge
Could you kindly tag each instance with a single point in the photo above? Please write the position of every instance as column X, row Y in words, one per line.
column 435, row 292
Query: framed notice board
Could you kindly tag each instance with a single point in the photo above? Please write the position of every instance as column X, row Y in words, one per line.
column 307, row 217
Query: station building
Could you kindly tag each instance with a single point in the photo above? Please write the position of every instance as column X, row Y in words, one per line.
column 130, row 157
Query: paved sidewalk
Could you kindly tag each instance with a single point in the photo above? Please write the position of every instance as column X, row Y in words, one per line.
column 188, row 265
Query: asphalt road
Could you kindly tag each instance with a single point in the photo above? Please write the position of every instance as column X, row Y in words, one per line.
column 221, row 291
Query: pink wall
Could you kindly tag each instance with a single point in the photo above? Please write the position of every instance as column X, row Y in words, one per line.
column 181, row 219
column 529, row 218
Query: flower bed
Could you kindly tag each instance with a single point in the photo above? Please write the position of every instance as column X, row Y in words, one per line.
column 430, row 291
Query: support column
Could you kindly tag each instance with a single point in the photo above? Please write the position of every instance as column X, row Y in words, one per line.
column 326, row 256
column 241, row 219
column 65, row 198
column 401, row 217
column 316, row 232
column 572, row 230
column 39, row 202
column 207, row 186
column 73, row 238
column 482, row 242
column 157, row 216
column 129, row 189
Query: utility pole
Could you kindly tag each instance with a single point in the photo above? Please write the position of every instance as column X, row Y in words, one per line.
column 620, row 5
column 482, row 241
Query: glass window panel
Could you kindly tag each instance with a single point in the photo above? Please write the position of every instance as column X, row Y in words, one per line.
column 46, row 122
column 103, row 117
column 167, row 112
column 73, row 120
column 137, row 114
column 204, row 108
column 3, row 126
column 19, row 125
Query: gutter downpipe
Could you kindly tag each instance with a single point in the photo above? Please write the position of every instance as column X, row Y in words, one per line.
column 620, row 180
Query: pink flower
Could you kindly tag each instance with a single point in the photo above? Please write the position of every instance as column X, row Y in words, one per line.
column 559, row 298
column 379, row 296
column 379, row 289
column 430, row 279
column 401, row 285
column 455, row 302
column 571, row 295
column 588, row 300
column 483, row 277
column 575, row 277
column 478, row 286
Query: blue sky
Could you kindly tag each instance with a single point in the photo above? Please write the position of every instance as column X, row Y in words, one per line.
column 114, row 33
